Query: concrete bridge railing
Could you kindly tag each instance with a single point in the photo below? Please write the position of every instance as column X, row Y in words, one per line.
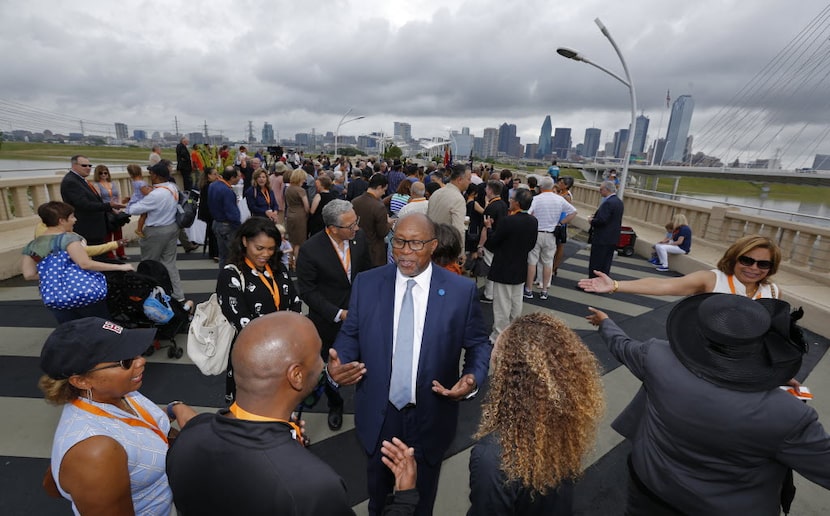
column 805, row 247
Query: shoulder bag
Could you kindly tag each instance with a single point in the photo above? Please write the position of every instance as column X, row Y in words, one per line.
column 64, row 285
column 210, row 335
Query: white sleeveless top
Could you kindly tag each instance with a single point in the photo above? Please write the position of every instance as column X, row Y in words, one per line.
column 146, row 452
column 766, row 290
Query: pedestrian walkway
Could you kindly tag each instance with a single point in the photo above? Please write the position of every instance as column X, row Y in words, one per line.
column 28, row 423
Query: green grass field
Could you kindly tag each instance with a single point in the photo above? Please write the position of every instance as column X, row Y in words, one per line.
column 60, row 152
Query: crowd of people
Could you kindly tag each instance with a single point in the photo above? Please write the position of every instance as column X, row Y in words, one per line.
column 376, row 251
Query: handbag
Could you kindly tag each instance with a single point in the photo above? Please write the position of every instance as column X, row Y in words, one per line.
column 64, row 285
column 116, row 220
column 210, row 336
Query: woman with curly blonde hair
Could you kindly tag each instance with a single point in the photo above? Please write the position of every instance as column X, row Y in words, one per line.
column 539, row 421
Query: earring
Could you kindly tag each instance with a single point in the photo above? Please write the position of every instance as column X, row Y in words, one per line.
column 89, row 394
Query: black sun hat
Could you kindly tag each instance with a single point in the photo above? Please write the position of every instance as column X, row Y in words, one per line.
column 77, row 346
column 735, row 342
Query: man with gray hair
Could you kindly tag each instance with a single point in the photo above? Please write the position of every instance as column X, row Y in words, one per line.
column 418, row 203
column 548, row 208
column 605, row 230
column 326, row 267
column 155, row 155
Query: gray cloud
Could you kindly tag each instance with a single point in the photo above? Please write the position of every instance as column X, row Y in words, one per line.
column 476, row 64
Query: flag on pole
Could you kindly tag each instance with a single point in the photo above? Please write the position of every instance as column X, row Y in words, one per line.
column 447, row 156
column 668, row 98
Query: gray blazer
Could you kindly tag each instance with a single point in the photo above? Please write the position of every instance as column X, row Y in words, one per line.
column 709, row 450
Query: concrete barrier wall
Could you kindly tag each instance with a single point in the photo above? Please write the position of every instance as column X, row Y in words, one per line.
column 805, row 247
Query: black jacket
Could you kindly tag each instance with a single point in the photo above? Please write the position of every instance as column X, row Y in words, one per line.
column 510, row 244
column 90, row 210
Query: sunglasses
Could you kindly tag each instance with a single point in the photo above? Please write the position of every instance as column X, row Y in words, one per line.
column 125, row 364
column 746, row 261
column 85, row 166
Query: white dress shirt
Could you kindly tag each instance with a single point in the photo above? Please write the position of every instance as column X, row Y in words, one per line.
column 420, row 297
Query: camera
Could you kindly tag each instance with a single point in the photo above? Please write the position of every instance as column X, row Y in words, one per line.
column 275, row 150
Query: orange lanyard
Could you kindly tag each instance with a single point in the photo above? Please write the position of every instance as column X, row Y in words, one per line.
column 243, row 414
column 267, row 197
column 92, row 187
column 347, row 262
column 145, row 419
column 491, row 201
column 174, row 194
column 108, row 188
column 731, row 281
column 222, row 179
column 272, row 286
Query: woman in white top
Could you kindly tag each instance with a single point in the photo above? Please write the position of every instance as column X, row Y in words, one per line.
column 744, row 269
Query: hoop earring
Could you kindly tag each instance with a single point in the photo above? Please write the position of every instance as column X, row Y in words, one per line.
column 89, row 394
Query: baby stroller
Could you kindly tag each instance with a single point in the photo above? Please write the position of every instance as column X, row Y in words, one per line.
column 141, row 299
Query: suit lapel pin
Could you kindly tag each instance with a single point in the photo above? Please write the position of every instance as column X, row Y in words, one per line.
column 441, row 292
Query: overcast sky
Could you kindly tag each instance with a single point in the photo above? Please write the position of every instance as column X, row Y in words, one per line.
column 437, row 65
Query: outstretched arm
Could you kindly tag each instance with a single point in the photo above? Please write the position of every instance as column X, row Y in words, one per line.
column 690, row 284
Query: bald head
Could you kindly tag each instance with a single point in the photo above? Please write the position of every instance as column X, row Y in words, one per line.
column 276, row 358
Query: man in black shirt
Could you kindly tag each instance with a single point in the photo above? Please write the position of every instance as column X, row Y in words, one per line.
column 250, row 458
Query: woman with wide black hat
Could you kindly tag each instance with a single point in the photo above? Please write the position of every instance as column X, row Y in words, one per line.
column 718, row 435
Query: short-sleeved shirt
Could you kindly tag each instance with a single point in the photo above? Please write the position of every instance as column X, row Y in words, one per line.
column 41, row 246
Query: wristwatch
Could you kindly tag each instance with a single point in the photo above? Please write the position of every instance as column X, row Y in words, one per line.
column 170, row 406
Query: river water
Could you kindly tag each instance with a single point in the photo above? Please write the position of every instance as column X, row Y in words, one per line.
column 13, row 168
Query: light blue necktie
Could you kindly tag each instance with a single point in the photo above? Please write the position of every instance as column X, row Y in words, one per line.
column 401, row 385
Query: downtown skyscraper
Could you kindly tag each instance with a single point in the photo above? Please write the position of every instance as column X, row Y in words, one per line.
column 592, row 135
column 544, row 139
column 678, row 131
column 562, row 142
column 638, row 145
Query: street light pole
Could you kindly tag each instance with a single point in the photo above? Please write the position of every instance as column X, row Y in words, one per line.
column 342, row 122
column 576, row 56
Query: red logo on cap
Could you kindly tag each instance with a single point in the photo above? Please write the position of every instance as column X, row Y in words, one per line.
column 111, row 326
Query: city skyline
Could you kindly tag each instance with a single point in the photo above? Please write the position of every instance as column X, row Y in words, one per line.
column 148, row 64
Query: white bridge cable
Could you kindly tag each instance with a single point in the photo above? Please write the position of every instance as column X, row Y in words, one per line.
column 790, row 75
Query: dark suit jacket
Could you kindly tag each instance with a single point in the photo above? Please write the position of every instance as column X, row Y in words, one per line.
column 322, row 282
column 607, row 221
column 356, row 188
column 510, row 244
column 453, row 323
column 706, row 449
column 374, row 222
column 90, row 210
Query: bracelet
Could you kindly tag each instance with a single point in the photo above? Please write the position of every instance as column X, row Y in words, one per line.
column 616, row 286
column 170, row 406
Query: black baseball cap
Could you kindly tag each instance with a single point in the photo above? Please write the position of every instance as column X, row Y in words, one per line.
column 77, row 346
column 160, row 169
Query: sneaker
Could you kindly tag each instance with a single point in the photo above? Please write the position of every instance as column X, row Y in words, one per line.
column 663, row 269
column 528, row 294
column 654, row 261
column 485, row 299
column 543, row 295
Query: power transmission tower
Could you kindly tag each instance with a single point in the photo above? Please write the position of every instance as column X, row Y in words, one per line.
column 176, row 121
column 250, row 131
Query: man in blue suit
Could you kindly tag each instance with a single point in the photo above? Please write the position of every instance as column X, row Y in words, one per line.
column 605, row 230
column 401, row 344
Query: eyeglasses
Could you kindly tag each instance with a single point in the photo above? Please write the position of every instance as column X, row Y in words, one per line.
column 746, row 261
column 125, row 364
column 415, row 245
column 88, row 165
column 350, row 226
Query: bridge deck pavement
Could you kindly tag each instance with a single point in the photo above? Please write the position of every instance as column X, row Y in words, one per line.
column 29, row 424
